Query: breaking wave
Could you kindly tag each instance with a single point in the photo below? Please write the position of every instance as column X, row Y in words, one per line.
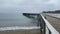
column 18, row 28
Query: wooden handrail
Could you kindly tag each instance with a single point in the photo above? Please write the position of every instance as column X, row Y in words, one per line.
column 50, row 27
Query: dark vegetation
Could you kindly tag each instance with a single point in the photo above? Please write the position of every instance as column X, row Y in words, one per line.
column 57, row 11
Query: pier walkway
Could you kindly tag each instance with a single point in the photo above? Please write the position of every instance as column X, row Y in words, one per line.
column 54, row 21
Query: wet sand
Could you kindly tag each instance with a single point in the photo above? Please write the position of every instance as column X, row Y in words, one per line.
column 31, row 31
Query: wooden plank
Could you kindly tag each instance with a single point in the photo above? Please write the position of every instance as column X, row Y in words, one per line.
column 51, row 28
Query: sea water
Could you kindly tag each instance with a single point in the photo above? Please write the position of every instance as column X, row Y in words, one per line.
column 12, row 21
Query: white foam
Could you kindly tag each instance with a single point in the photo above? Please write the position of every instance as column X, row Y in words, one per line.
column 16, row 28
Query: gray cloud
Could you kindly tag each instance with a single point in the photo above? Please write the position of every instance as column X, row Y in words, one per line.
column 30, row 5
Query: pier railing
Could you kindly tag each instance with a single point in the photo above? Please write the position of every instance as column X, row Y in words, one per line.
column 46, row 27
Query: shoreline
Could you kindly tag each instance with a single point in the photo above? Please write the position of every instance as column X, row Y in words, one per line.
column 29, row 31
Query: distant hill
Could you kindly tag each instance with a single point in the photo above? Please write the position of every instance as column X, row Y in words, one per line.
column 57, row 11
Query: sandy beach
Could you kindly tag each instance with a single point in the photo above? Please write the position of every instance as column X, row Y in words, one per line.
column 31, row 31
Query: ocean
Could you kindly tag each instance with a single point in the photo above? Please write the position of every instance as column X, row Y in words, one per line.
column 57, row 15
column 12, row 21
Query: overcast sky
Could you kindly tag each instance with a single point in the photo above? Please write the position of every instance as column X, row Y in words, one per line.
column 29, row 5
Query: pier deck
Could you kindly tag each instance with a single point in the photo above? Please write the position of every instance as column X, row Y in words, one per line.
column 53, row 21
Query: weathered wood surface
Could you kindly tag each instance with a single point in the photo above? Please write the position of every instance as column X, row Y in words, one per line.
column 53, row 21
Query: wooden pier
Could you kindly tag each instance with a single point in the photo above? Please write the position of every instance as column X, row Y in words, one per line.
column 55, row 22
column 48, row 24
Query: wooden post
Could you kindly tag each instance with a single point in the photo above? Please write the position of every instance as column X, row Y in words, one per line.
column 42, row 25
